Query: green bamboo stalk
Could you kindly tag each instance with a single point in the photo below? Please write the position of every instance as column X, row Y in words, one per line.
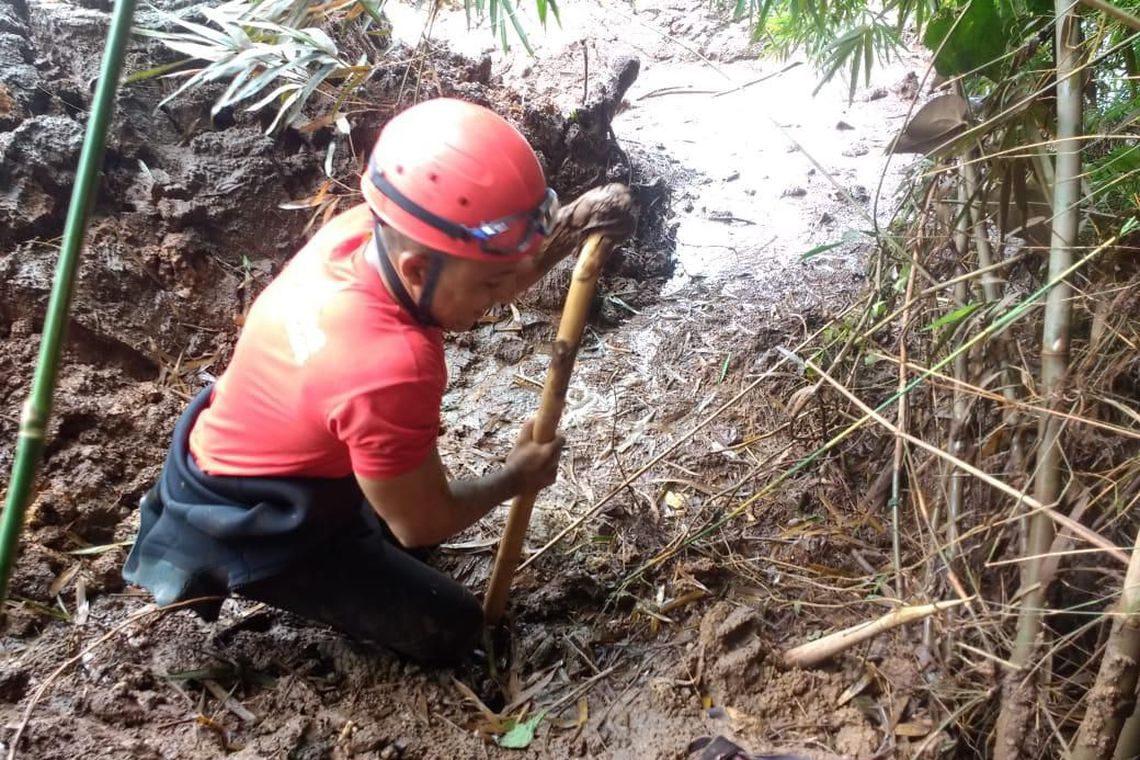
column 1019, row 694
column 37, row 409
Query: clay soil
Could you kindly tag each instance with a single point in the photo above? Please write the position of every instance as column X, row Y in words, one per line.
column 627, row 661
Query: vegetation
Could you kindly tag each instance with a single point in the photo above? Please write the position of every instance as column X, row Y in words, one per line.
column 1008, row 354
column 277, row 53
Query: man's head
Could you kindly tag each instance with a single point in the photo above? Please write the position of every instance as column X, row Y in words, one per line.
column 462, row 203
column 459, row 291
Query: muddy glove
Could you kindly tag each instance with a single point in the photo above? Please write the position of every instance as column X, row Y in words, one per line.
column 607, row 209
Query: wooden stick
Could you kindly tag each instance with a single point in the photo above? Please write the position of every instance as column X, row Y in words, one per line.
column 563, row 352
column 820, row 650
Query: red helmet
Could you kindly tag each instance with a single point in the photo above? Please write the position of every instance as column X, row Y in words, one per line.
column 459, row 179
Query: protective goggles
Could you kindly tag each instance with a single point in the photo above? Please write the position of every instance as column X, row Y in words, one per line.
column 505, row 236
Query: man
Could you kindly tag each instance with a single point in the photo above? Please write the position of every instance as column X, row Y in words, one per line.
column 306, row 474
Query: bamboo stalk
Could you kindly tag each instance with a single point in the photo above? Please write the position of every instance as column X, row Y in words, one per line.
column 1112, row 698
column 1019, row 695
column 565, row 349
column 823, row 649
column 993, row 292
column 900, row 444
column 960, row 410
column 1128, row 744
column 37, row 409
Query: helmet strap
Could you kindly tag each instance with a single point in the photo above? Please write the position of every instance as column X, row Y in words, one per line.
column 427, row 293
column 422, row 310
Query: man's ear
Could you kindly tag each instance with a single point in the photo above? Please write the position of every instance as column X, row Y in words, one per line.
column 413, row 267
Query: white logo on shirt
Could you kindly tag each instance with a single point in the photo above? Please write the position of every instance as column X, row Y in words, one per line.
column 305, row 335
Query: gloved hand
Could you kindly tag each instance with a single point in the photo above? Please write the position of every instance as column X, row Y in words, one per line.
column 531, row 465
column 608, row 208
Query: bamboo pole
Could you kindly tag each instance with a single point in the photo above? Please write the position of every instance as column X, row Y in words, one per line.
column 1112, row 698
column 564, row 351
column 961, row 411
column 823, row 649
column 1019, row 693
column 37, row 409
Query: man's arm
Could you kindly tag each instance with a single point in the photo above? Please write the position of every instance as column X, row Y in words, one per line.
column 606, row 209
column 422, row 508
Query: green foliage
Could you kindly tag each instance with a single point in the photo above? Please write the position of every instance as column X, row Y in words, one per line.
column 850, row 36
column 1115, row 179
column 520, row 735
column 968, row 36
column 502, row 11
column 840, row 36
column 275, row 52
column 260, row 45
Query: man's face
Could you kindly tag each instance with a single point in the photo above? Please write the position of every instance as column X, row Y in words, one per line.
column 465, row 290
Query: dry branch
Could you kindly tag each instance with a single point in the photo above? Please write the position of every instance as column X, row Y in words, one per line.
column 818, row 651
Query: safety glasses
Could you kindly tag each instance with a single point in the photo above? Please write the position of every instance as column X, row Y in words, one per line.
column 506, row 236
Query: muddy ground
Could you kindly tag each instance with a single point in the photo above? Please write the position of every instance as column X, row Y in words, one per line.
column 187, row 229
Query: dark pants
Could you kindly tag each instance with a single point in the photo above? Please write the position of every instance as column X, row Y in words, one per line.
column 306, row 545
column 370, row 588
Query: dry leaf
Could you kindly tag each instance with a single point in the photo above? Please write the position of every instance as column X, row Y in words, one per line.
column 937, row 122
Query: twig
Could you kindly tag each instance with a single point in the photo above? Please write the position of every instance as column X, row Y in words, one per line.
column 573, row 695
column 900, row 446
column 585, row 72
column 1000, row 323
column 1087, row 534
column 675, row 41
column 39, row 693
column 758, row 80
column 991, row 396
column 228, row 701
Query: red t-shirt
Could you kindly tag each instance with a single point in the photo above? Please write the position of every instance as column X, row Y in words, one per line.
column 330, row 376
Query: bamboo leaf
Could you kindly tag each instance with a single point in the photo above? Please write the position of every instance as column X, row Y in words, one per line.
column 374, row 10
column 953, row 317
column 818, row 250
column 518, row 27
column 521, row 735
column 157, row 71
column 980, row 37
column 283, row 111
column 88, row 551
column 271, row 96
column 201, row 30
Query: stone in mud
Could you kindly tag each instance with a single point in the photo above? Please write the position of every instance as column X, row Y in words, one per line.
column 13, row 684
column 37, row 168
column 69, row 43
column 19, row 95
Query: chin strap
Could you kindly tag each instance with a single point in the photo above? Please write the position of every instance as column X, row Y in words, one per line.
column 422, row 310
